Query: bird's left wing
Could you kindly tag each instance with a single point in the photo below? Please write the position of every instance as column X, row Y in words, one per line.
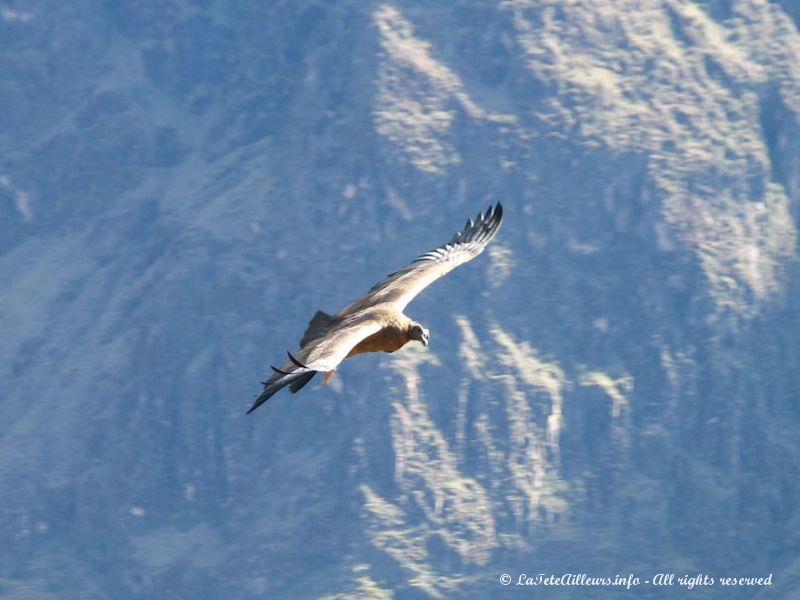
column 320, row 355
column 400, row 288
column 324, row 354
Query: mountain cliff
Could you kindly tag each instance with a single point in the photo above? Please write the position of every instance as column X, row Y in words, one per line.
column 611, row 388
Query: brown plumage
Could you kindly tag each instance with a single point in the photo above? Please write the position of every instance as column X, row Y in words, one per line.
column 375, row 322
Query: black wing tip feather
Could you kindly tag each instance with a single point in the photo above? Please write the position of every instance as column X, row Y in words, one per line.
column 269, row 391
column 479, row 231
column 296, row 362
column 294, row 379
column 298, row 383
column 482, row 228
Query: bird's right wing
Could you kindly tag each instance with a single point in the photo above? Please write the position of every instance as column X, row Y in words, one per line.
column 400, row 288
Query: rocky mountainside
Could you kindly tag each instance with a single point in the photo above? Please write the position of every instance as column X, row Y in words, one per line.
column 612, row 388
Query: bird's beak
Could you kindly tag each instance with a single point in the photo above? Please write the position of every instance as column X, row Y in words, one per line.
column 425, row 337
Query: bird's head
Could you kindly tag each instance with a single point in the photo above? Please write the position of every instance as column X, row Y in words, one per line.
column 419, row 333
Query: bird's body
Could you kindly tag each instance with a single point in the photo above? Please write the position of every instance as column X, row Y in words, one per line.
column 395, row 333
column 376, row 322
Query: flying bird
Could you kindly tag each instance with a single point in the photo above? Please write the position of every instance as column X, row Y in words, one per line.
column 375, row 322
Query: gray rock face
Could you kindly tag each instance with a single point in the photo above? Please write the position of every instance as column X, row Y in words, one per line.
column 612, row 388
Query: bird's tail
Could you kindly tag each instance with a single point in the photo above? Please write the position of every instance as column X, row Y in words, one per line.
column 292, row 374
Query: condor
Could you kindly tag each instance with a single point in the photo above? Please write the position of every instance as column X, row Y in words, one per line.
column 375, row 322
